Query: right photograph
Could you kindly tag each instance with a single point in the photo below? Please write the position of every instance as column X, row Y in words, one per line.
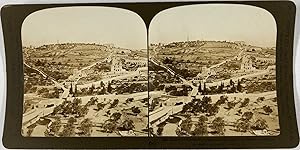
column 212, row 71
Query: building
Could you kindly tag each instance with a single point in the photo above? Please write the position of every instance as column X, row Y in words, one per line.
column 247, row 64
column 109, row 45
column 116, row 69
column 240, row 43
column 266, row 60
column 253, row 48
column 139, row 62
column 116, row 65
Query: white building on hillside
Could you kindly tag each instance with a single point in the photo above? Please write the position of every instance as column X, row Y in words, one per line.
column 247, row 64
column 116, row 65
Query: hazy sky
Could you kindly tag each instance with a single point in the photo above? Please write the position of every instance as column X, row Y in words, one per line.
column 85, row 24
column 215, row 22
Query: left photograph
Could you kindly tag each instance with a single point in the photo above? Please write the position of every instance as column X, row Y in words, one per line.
column 85, row 73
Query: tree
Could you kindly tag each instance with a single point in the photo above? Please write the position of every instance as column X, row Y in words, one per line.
column 109, row 88
column 115, row 116
column 201, row 127
column 100, row 106
column 109, row 126
column 42, row 90
column 71, row 120
column 71, row 89
column 260, row 99
column 135, row 110
column 53, row 128
column 77, row 101
column 245, row 102
column 218, row 125
column 168, row 61
column 114, row 103
column 200, row 88
column 213, row 110
column 92, row 101
column 86, row 127
column 260, row 124
column 57, row 109
column 268, row 109
column 231, row 82
column 69, row 128
column 222, row 100
column 128, row 100
column 102, row 91
column 102, row 84
column 187, row 107
column 243, row 124
column 231, row 105
column 204, row 92
column 127, row 125
column 239, row 86
column 186, row 125
column 56, row 92
column 82, row 111
column 232, row 89
column 160, row 130
column 75, row 93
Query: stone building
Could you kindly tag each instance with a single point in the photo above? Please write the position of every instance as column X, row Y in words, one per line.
column 116, row 65
column 247, row 64
column 139, row 62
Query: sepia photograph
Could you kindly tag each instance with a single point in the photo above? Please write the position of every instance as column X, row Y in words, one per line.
column 208, row 70
column 212, row 71
column 85, row 73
